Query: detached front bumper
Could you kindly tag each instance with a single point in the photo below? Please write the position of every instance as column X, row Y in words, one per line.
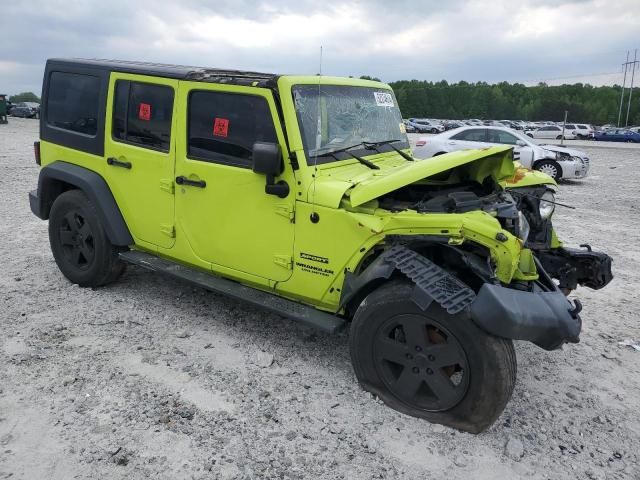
column 548, row 319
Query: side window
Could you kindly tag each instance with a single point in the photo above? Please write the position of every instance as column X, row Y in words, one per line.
column 142, row 114
column 224, row 126
column 73, row 102
column 498, row 136
column 473, row 135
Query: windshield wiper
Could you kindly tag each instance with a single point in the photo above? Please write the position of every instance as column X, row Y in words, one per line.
column 363, row 161
column 338, row 150
column 375, row 145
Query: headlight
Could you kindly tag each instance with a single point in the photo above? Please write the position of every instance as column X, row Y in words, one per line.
column 546, row 204
column 523, row 227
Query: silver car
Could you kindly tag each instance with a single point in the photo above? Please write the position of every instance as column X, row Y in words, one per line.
column 557, row 162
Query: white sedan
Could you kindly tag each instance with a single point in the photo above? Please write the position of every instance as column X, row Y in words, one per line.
column 557, row 162
column 553, row 132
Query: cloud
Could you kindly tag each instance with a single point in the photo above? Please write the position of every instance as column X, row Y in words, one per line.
column 527, row 41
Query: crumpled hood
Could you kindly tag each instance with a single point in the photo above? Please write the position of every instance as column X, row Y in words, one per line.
column 567, row 151
column 362, row 187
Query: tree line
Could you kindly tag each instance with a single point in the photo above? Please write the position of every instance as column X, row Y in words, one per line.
column 514, row 101
column 24, row 97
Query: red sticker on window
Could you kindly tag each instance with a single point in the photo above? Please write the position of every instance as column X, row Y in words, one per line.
column 221, row 127
column 144, row 111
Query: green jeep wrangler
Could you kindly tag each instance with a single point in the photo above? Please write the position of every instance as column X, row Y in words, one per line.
column 300, row 194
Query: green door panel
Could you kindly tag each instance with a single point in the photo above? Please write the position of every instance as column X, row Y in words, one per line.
column 231, row 222
column 145, row 191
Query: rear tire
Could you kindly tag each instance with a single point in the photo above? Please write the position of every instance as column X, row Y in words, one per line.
column 79, row 243
column 430, row 364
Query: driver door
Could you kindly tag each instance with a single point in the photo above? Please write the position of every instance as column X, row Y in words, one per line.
column 221, row 206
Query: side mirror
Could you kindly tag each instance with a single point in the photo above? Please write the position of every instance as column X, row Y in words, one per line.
column 521, row 143
column 267, row 160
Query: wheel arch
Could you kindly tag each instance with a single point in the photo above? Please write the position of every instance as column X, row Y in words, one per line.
column 383, row 266
column 59, row 177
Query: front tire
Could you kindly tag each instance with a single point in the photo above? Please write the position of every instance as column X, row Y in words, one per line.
column 433, row 130
column 551, row 168
column 79, row 243
column 430, row 364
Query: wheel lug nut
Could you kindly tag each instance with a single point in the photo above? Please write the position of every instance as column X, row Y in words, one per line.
column 415, row 369
column 418, row 348
column 431, row 358
column 409, row 356
column 429, row 371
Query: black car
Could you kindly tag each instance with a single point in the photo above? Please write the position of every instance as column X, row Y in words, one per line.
column 26, row 110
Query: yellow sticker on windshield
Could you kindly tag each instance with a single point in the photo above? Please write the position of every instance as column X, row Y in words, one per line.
column 403, row 129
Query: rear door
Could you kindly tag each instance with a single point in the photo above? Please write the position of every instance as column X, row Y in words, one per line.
column 140, row 155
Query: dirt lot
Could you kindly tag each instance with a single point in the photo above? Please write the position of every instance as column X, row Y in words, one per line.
column 154, row 379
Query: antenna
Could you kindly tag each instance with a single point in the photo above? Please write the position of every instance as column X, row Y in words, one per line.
column 315, row 218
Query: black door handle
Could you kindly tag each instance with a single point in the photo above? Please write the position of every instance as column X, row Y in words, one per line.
column 114, row 162
column 192, row 183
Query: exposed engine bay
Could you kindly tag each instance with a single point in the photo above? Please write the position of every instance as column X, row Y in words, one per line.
column 525, row 212
column 461, row 198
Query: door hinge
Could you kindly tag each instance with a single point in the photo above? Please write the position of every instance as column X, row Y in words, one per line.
column 286, row 211
column 167, row 186
column 285, row 261
column 168, row 230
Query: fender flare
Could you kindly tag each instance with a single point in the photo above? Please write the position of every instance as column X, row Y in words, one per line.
column 59, row 176
column 432, row 283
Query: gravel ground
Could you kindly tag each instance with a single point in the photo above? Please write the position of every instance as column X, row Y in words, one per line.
column 149, row 378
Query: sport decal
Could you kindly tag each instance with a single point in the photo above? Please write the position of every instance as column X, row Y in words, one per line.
column 144, row 112
column 221, row 127
column 383, row 99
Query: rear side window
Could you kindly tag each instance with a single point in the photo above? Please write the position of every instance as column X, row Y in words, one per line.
column 142, row 114
column 73, row 102
column 224, row 126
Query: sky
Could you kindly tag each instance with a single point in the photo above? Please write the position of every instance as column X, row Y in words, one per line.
column 528, row 41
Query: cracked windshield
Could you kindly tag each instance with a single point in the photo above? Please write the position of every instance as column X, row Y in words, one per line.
column 348, row 116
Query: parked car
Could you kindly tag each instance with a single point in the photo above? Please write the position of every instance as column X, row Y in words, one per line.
column 451, row 124
column 408, row 127
column 584, row 131
column 26, row 110
column 618, row 135
column 552, row 132
column 424, row 125
column 557, row 162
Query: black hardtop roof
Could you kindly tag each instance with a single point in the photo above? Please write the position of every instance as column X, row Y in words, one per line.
column 180, row 72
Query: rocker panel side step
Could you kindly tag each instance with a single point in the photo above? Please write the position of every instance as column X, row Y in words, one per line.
column 287, row 308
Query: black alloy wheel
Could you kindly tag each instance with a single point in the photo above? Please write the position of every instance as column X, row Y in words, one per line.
column 421, row 362
column 77, row 240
